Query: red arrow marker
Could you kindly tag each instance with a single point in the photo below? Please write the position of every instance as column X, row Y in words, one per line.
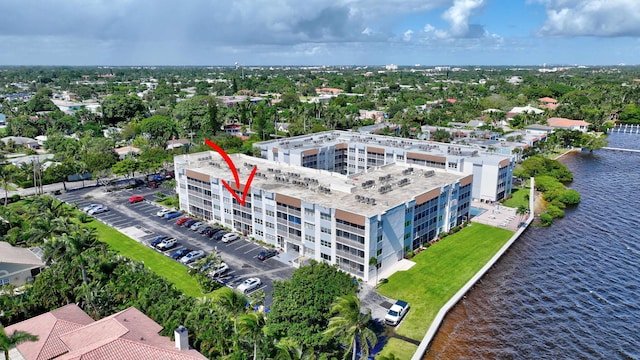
column 232, row 166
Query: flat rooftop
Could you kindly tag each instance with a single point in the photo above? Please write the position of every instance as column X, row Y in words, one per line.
column 332, row 138
column 368, row 193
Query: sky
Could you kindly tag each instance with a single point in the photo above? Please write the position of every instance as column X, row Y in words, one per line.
column 320, row 32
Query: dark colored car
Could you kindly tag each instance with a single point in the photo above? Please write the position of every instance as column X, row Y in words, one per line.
column 265, row 254
column 183, row 220
column 212, row 231
column 180, row 253
column 203, row 229
column 190, row 222
column 172, row 215
column 153, row 185
column 158, row 240
column 218, row 235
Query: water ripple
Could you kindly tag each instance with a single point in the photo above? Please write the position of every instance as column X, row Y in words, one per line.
column 565, row 292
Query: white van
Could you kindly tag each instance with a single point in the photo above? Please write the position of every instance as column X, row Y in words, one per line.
column 229, row 237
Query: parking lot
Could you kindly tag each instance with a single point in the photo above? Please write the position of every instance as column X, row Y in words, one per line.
column 140, row 222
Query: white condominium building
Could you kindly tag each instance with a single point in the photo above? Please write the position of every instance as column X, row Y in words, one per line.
column 382, row 212
column 350, row 152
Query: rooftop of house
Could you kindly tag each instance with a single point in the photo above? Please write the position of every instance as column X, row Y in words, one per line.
column 18, row 255
column 68, row 333
column 127, row 149
column 346, row 192
column 547, row 99
column 565, row 123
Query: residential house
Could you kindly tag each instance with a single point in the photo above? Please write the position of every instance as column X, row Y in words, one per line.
column 18, row 265
column 568, row 124
column 526, row 109
column 177, row 143
column 126, row 151
column 329, row 91
column 375, row 115
column 68, row 333
column 20, row 141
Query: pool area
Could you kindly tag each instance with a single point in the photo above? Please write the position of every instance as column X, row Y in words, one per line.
column 474, row 211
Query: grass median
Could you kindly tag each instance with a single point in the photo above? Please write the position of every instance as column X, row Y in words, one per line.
column 169, row 269
column 439, row 273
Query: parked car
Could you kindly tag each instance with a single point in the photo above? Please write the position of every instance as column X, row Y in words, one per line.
column 136, row 199
column 229, row 237
column 192, row 256
column 97, row 210
column 195, row 226
column 153, row 184
column 396, row 313
column 218, row 235
column 265, row 254
column 180, row 253
column 219, row 270
column 249, row 284
column 204, row 229
column 156, row 177
column 182, row 220
column 212, row 231
column 158, row 240
column 167, row 244
column 190, row 222
column 162, row 212
column 89, row 207
column 172, row 215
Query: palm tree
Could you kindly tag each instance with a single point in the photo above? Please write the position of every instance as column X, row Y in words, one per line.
column 232, row 303
column 8, row 342
column 7, row 175
column 288, row 349
column 351, row 326
column 374, row 262
column 252, row 327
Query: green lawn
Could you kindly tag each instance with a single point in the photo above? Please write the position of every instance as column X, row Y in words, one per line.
column 158, row 263
column 439, row 273
column 518, row 197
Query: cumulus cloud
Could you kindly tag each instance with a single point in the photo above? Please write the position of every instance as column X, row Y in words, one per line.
column 407, row 35
column 608, row 18
column 458, row 16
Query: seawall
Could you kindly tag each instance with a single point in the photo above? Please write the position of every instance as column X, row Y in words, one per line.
column 437, row 321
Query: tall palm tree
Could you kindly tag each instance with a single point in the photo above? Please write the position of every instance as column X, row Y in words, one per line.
column 351, row 326
column 9, row 341
column 233, row 303
column 7, row 175
column 288, row 349
column 252, row 328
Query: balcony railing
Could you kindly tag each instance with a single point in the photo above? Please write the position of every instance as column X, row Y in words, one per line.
column 350, row 243
column 350, row 256
column 350, row 229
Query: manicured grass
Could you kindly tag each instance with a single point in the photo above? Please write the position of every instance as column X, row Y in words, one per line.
column 518, row 198
column 158, row 263
column 439, row 273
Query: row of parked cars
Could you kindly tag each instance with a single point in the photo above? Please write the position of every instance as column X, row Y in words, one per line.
column 184, row 255
column 214, row 232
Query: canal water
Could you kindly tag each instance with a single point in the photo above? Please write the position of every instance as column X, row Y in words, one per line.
column 570, row 291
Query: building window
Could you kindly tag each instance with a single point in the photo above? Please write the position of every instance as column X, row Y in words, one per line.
column 309, row 212
column 309, row 226
column 325, row 243
column 380, row 238
column 258, row 221
column 259, row 233
column 325, row 256
column 325, row 230
column 379, row 252
column 310, row 238
column 325, row 216
column 269, row 225
column 270, row 213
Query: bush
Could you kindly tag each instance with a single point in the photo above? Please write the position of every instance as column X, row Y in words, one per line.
column 546, row 219
column 554, row 211
column 569, row 197
column 547, row 183
column 409, row 255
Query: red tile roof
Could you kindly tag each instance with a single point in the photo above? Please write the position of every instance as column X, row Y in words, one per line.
column 547, row 99
column 565, row 123
column 129, row 334
column 550, row 106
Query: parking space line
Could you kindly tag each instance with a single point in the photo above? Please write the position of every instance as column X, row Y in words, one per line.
column 253, row 249
column 241, row 246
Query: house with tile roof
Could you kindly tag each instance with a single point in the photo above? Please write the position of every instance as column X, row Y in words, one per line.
column 547, row 100
column 68, row 333
column 568, row 124
column 18, row 265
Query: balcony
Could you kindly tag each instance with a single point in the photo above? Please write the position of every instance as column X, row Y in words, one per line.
column 350, row 243
column 350, row 256
column 350, row 229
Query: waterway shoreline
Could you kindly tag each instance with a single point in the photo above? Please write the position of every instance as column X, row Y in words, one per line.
column 437, row 322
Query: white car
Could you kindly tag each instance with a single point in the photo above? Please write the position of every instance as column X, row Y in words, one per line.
column 97, row 210
column 219, row 270
column 167, row 244
column 229, row 237
column 163, row 212
column 89, row 207
column 249, row 284
column 196, row 226
column 192, row 256
column 396, row 313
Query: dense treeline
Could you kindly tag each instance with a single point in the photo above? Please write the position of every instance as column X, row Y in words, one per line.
column 223, row 324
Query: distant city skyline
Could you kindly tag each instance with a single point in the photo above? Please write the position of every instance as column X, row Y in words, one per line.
column 320, row 32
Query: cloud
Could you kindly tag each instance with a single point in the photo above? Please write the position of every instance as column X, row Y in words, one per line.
column 610, row 18
column 458, row 17
column 407, row 35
